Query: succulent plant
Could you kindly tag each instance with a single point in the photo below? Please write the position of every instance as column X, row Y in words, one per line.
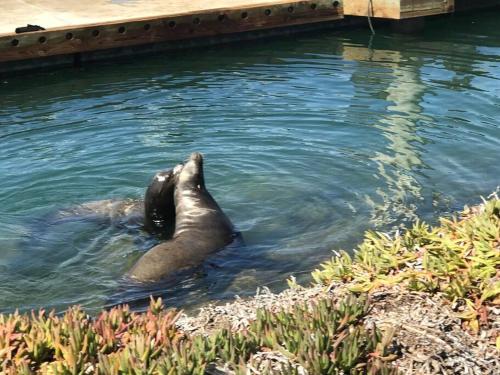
column 322, row 337
column 459, row 258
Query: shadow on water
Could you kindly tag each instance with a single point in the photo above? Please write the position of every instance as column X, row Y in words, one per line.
column 309, row 141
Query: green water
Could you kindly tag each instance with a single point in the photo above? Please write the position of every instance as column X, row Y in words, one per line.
column 308, row 140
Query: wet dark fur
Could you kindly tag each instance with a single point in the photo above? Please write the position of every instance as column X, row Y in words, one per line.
column 201, row 228
column 159, row 206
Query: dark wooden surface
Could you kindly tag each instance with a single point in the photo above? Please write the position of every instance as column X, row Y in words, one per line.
column 204, row 23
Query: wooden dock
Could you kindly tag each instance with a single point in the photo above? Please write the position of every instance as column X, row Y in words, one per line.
column 75, row 27
column 48, row 32
column 398, row 9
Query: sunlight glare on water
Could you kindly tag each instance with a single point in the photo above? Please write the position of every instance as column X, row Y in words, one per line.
column 308, row 141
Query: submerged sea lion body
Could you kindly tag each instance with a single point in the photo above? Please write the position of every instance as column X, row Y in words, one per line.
column 112, row 209
column 201, row 228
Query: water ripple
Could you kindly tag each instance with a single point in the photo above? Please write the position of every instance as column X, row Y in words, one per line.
column 308, row 142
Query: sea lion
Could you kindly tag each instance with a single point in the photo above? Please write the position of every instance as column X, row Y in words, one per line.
column 114, row 210
column 201, row 228
column 155, row 214
column 159, row 206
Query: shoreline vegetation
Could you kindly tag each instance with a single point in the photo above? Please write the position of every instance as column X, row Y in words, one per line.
column 425, row 300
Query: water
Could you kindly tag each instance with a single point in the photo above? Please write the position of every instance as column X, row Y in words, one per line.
column 308, row 141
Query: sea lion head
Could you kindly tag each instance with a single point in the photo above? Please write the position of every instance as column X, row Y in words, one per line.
column 191, row 175
column 162, row 183
column 159, row 206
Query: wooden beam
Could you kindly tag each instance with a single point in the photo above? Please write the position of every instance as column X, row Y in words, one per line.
column 421, row 8
column 73, row 39
column 374, row 8
column 397, row 9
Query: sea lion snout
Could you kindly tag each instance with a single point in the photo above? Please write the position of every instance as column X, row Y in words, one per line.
column 162, row 176
column 192, row 172
column 196, row 157
column 195, row 160
column 169, row 176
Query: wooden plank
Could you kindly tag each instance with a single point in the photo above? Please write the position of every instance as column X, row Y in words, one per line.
column 397, row 9
column 375, row 8
column 52, row 14
column 71, row 39
column 421, row 8
column 10, row 67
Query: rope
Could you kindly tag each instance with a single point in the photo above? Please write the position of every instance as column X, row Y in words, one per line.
column 370, row 11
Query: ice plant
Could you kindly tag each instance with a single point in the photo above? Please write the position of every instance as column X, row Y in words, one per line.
column 460, row 258
column 323, row 337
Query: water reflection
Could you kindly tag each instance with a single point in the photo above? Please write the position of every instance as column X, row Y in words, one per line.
column 397, row 162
